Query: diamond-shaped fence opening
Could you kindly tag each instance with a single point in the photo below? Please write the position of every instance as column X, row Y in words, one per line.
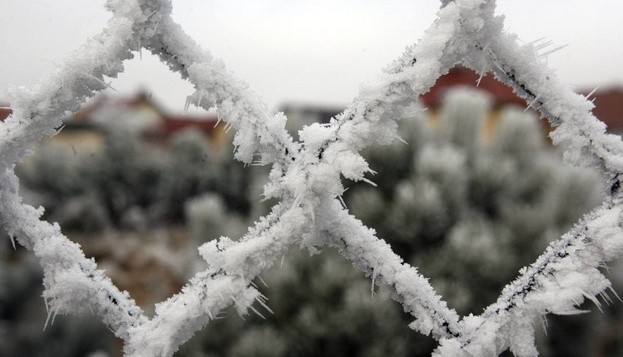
column 305, row 177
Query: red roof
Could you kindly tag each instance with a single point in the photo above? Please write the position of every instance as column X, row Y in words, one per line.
column 5, row 111
column 608, row 106
column 608, row 102
column 173, row 124
column 169, row 124
column 461, row 76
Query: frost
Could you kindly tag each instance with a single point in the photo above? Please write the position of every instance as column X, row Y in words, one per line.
column 306, row 177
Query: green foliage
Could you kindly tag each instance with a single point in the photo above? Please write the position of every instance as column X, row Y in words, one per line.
column 131, row 186
column 322, row 307
column 125, row 186
column 471, row 212
column 467, row 211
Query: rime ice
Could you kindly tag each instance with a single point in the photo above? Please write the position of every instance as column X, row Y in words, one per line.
column 306, row 177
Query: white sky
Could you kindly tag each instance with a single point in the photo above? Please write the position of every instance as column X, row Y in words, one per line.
column 313, row 51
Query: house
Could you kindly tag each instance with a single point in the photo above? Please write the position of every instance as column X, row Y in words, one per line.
column 86, row 130
column 461, row 76
column 608, row 102
column 500, row 94
column 5, row 111
column 608, row 107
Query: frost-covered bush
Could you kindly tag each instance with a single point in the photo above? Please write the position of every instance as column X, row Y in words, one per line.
column 188, row 170
column 128, row 185
column 124, row 176
column 321, row 307
column 93, row 192
column 208, row 218
column 469, row 211
column 63, row 182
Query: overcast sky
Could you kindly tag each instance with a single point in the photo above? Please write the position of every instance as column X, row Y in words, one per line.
column 311, row 51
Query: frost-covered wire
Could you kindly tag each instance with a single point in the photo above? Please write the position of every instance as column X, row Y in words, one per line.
column 72, row 282
column 306, row 178
column 70, row 278
column 258, row 133
column 566, row 274
column 575, row 255
column 331, row 150
column 577, row 130
column 335, row 227
column 38, row 112
column 228, row 281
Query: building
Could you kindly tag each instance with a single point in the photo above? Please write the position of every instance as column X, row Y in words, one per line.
column 460, row 76
column 501, row 95
column 86, row 130
column 608, row 107
column 139, row 112
column 5, row 111
column 608, row 102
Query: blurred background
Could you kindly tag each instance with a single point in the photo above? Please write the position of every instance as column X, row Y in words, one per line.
column 302, row 51
column 476, row 194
